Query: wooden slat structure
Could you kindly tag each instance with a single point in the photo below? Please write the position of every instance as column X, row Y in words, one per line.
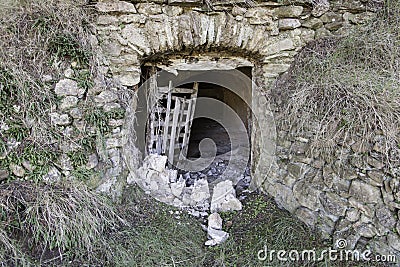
column 170, row 120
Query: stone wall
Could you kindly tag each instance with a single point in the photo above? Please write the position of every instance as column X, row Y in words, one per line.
column 352, row 197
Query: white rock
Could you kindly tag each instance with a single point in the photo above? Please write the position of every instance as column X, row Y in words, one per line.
column 210, row 243
column 176, row 188
column 76, row 113
column 201, row 191
column 288, row 24
column 67, row 87
column 224, row 197
column 156, row 162
column 47, row 78
column 106, row 97
column 215, row 221
column 68, row 73
column 17, row 170
column 68, row 102
column 218, row 236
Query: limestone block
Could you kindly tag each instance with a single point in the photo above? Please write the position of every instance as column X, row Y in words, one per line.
column 307, row 195
column 136, row 38
column 320, row 8
column 111, row 106
column 238, row 11
column 17, row 170
column 93, row 161
column 288, row 24
column 177, row 188
column 113, row 143
column 133, row 18
column 334, row 204
column 288, row 11
column 278, row 46
column 331, row 17
column 313, row 23
column 216, row 236
column 365, row 229
column 115, row 6
column 155, row 162
column 149, row 8
column 385, row 217
column 283, row 197
column 107, row 20
column 259, row 16
column 394, row 241
column 106, row 97
column 76, row 113
column 365, row 193
column 186, row 2
column 129, row 78
column 322, row 32
column 333, row 26
column 172, row 11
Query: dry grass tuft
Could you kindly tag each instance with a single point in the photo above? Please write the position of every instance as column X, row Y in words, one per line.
column 349, row 89
column 51, row 221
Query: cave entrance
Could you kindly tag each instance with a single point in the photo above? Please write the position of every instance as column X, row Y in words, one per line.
column 193, row 107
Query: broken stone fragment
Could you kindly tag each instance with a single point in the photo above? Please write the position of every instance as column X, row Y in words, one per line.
column 215, row 221
column 155, row 162
column 200, row 191
column 172, row 11
column 288, row 24
column 176, row 188
column 216, row 237
column 76, row 113
column 238, row 11
column 320, row 7
column 224, row 198
column 68, row 73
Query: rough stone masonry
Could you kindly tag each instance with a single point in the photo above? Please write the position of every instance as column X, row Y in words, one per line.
column 354, row 197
